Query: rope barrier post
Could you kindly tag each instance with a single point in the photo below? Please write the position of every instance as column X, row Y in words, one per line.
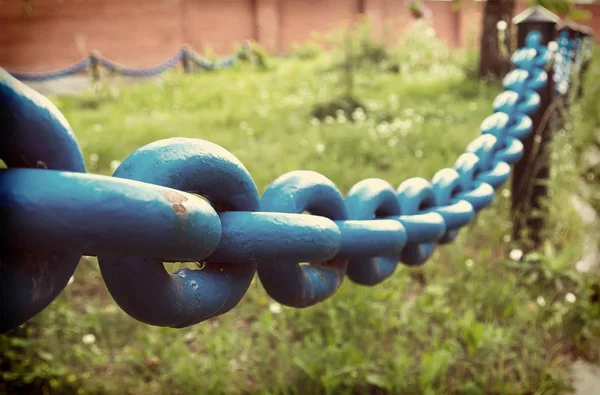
column 185, row 59
column 531, row 173
column 95, row 66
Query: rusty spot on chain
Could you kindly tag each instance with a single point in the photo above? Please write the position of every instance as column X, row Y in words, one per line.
column 176, row 198
column 178, row 208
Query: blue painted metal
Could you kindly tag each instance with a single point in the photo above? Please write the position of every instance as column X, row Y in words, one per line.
column 415, row 195
column 148, row 213
column 115, row 67
column 500, row 125
column 48, row 210
column 563, row 62
column 520, row 80
column 275, row 237
column 290, row 283
column 485, row 147
column 206, row 64
column 496, row 176
column 512, row 151
column 141, row 286
column 364, row 239
column 366, row 200
column 33, row 134
column 510, row 101
column 141, row 72
column 456, row 214
column 75, row 68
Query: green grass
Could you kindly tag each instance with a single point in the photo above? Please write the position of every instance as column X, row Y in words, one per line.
column 470, row 321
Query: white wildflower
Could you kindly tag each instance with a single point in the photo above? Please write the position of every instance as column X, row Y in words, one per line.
column 570, row 297
column 88, row 339
column 409, row 112
column 383, row 128
column 275, row 308
column 114, row 164
column 94, row 158
column 501, row 25
column 541, row 301
column 515, row 255
column 320, row 147
column 469, row 263
column 358, row 114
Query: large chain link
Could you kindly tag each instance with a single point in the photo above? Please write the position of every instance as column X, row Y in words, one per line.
column 149, row 212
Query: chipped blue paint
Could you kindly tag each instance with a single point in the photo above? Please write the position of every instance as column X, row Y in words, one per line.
column 141, row 286
column 50, row 210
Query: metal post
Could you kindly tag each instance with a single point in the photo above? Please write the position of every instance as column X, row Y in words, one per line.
column 532, row 171
column 185, row 59
column 95, row 66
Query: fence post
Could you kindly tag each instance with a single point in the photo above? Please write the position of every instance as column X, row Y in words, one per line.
column 532, row 171
column 185, row 59
column 95, row 66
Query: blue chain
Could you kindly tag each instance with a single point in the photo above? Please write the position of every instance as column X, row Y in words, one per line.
column 149, row 213
column 563, row 62
column 52, row 75
column 141, row 72
column 206, row 64
column 130, row 71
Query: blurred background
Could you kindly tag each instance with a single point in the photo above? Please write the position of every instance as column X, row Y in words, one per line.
column 353, row 90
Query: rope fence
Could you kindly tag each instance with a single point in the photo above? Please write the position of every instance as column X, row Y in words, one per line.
column 53, row 212
column 186, row 56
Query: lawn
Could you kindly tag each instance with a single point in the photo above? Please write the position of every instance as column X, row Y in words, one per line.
column 475, row 319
